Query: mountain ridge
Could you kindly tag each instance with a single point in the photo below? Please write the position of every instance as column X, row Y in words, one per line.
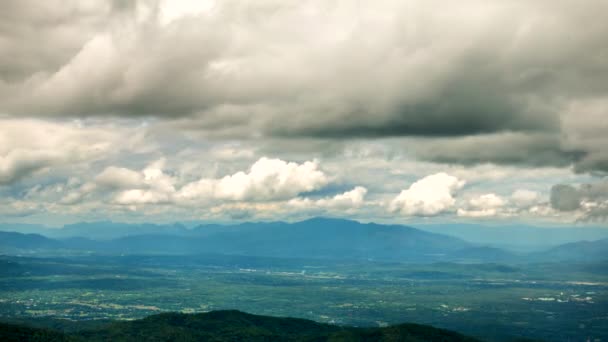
column 231, row 325
column 321, row 238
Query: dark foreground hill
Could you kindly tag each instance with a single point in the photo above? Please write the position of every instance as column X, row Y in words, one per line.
column 231, row 326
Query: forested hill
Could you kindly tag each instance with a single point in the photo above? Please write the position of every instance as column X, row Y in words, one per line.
column 231, row 325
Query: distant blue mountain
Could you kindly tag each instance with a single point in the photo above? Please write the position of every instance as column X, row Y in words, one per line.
column 11, row 241
column 582, row 251
column 335, row 238
column 24, row 228
column 319, row 238
column 514, row 237
column 314, row 238
column 484, row 254
column 517, row 236
column 106, row 230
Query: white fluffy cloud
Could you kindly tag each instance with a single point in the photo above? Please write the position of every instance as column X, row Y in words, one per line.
column 139, row 196
column 525, row 198
column 152, row 186
column 267, row 179
column 483, row 206
column 428, row 196
column 354, row 198
column 487, row 201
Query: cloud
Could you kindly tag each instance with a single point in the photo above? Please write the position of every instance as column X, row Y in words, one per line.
column 267, row 179
column 502, row 71
column 119, row 178
column 30, row 146
column 38, row 38
column 591, row 199
column 504, row 95
column 565, row 197
column 510, row 148
column 19, row 163
column 524, row 198
column 76, row 196
column 487, row 201
column 151, row 186
column 138, row 196
column 428, row 196
column 354, row 198
column 14, row 208
column 482, row 206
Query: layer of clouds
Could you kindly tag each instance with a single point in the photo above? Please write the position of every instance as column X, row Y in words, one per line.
column 431, row 195
column 109, row 106
column 101, row 170
column 501, row 148
column 33, row 146
column 504, row 82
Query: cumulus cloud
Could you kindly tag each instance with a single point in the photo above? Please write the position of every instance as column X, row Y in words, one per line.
column 151, row 186
column 354, row 198
column 138, row 196
column 525, row 198
column 482, row 206
column 428, row 196
column 487, row 201
column 267, row 179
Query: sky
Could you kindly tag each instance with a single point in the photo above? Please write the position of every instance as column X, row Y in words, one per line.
column 389, row 110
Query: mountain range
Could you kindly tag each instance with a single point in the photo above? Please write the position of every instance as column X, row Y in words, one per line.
column 320, row 238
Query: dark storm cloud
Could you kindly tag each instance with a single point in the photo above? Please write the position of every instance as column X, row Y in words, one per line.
column 565, row 197
column 42, row 36
column 474, row 72
column 503, row 148
column 591, row 198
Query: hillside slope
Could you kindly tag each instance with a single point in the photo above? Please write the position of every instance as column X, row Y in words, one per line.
column 231, row 325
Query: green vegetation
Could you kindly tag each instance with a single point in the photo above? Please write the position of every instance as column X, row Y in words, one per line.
column 495, row 302
column 231, row 326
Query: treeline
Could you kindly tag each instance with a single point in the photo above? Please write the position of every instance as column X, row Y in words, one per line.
column 230, row 326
